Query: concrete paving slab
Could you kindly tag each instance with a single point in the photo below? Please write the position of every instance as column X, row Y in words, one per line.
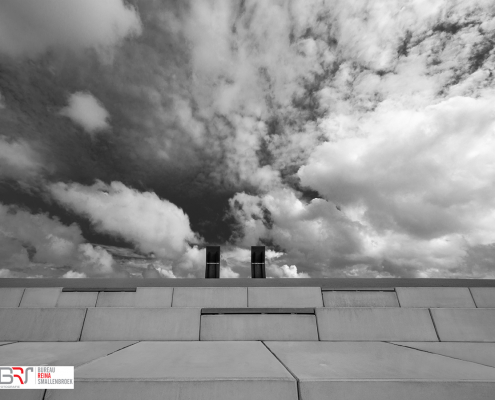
column 481, row 353
column 314, row 361
column 41, row 324
column 10, row 297
column 465, row 325
column 484, row 297
column 141, row 324
column 40, row 297
column 218, row 297
column 77, row 299
column 179, row 390
column 284, row 297
column 407, row 390
column 4, row 343
column 185, row 370
column 143, row 297
column 154, row 297
column 359, row 299
column 426, row 297
column 116, row 299
column 21, row 394
column 258, row 327
column 390, row 324
column 58, row 353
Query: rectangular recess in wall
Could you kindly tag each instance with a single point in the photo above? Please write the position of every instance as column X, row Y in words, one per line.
column 330, row 289
column 217, row 311
column 98, row 289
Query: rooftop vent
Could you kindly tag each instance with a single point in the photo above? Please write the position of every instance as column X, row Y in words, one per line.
column 258, row 262
column 212, row 262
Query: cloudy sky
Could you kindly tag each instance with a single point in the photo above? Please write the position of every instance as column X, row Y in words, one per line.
column 353, row 138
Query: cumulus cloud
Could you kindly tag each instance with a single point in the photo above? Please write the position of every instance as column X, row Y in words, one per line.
column 85, row 110
column 28, row 239
column 17, row 159
column 152, row 224
column 285, row 271
column 30, row 27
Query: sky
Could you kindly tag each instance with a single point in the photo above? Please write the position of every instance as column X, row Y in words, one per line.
column 351, row 138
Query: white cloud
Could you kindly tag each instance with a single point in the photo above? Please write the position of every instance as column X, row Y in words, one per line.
column 30, row 27
column 27, row 239
column 17, row 159
column 152, row 224
column 74, row 275
column 85, row 110
column 285, row 271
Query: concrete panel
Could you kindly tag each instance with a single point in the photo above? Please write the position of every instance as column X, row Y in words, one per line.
column 4, row 343
column 426, row 297
column 215, row 297
column 185, row 370
column 484, row 297
column 57, row 353
column 143, row 297
column 481, row 353
column 10, row 297
column 40, row 297
column 116, row 299
column 141, row 324
column 41, row 324
column 179, row 390
column 77, row 299
column 258, row 327
column 284, row 297
column 406, row 390
column 465, row 325
column 360, row 299
column 391, row 324
column 153, row 297
column 21, row 394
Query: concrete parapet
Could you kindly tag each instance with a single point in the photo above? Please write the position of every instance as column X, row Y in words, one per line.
column 284, row 297
column 359, row 299
column 40, row 297
column 427, row 297
column 464, row 325
column 210, row 297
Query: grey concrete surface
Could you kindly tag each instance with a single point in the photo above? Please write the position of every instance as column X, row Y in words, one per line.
column 41, row 324
column 359, row 299
column 284, row 297
column 435, row 297
column 10, row 297
column 116, row 299
column 316, row 361
column 372, row 324
column 185, row 370
column 392, row 390
column 141, row 324
column 481, row 353
column 484, row 297
column 143, row 297
column 21, row 394
column 4, row 343
column 465, row 325
column 77, row 299
column 40, row 297
column 210, row 297
column 179, row 390
column 57, row 353
column 258, row 327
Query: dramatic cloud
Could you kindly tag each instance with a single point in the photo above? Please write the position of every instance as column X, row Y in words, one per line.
column 30, row 27
column 17, row 159
column 353, row 138
column 152, row 224
column 85, row 110
column 28, row 239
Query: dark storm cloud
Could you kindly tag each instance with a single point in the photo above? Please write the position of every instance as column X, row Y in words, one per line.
column 352, row 137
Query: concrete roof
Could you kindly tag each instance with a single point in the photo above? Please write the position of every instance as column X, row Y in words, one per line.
column 296, row 339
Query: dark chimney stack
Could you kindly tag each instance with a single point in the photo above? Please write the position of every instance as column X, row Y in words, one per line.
column 258, row 262
column 212, row 262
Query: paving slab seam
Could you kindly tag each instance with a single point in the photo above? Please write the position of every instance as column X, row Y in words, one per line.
column 434, row 324
column 44, row 394
column 82, row 326
column 288, row 370
column 396, row 295
column 438, row 354
column 22, row 295
column 172, row 302
column 474, row 301
column 106, row 355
